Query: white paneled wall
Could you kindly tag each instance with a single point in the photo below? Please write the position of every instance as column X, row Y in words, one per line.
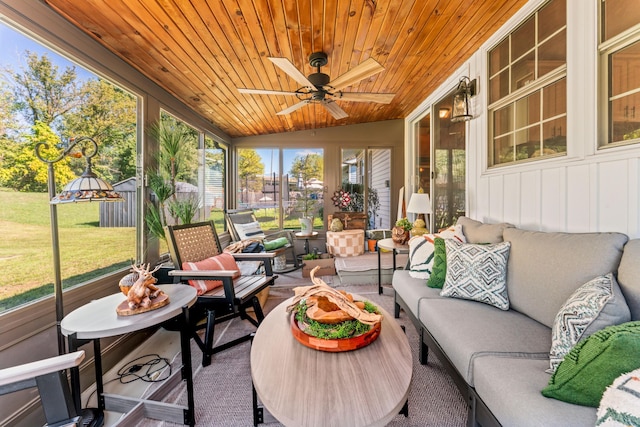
column 587, row 190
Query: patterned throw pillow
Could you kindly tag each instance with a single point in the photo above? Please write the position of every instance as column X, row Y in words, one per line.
column 439, row 270
column 477, row 272
column 593, row 306
column 219, row 262
column 620, row 403
column 249, row 230
column 421, row 250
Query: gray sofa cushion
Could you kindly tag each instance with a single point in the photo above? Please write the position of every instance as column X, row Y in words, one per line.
column 412, row 290
column 467, row 330
column 629, row 277
column 511, row 388
column 478, row 232
column 545, row 268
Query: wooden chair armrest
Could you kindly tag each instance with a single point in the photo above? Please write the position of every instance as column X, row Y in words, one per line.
column 257, row 256
column 204, row 273
column 40, row 367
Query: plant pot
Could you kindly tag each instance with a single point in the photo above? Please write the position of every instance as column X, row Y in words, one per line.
column 400, row 235
column 306, row 226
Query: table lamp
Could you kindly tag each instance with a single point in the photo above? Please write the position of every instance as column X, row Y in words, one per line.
column 420, row 205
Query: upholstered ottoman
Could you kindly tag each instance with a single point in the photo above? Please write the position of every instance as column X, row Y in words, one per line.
column 345, row 243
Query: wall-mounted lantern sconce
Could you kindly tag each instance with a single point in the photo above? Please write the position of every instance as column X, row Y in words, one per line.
column 461, row 100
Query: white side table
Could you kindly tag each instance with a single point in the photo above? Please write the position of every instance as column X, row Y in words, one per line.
column 390, row 245
column 98, row 319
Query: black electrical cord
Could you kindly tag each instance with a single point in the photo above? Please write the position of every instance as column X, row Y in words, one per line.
column 142, row 368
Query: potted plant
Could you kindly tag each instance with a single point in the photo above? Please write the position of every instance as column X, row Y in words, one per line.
column 401, row 232
column 174, row 158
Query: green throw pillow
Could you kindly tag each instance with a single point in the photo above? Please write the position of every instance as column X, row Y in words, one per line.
column 439, row 269
column 594, row 363
column 275, row 244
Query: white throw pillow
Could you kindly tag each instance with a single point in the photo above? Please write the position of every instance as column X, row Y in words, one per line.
column 593, row 306
column 477, row 272
column 421, row 250
column 250, row 230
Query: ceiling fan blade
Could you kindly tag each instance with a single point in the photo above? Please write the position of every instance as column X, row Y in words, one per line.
column 293, row 108
column 285, row 65
column 380, row 98
column 266, row 92
column 335, row 110
column 359, row 72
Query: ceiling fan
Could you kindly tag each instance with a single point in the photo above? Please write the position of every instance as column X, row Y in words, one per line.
column 318, row 88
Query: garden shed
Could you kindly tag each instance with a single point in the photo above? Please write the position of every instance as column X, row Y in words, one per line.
column 121, row 214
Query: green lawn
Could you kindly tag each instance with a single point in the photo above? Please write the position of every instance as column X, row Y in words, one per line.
column 25, row 247
column 86, row 250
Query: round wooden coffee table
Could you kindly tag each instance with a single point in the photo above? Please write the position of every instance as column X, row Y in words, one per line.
column 301, row 386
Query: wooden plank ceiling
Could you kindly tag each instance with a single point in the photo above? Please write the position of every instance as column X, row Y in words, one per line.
column 201, row 51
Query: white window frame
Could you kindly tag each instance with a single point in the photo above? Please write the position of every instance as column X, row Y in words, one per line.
column 519, row 94
column 605, row 50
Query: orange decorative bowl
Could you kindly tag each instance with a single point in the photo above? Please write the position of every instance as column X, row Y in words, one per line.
column 333, row 345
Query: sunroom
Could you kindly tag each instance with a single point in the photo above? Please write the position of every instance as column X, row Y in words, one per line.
column 518, row 112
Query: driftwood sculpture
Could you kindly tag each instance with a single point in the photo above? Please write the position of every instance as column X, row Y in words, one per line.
column 328, row 305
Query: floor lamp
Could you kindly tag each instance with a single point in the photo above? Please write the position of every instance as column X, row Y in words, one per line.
column 87, row 188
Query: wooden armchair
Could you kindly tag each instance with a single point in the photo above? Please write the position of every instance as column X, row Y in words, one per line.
column 193, row 243
column 49, row 376
column 243, row 224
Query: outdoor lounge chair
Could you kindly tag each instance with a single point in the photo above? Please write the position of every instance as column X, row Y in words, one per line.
column 243, row 224
column 194, row 243
column 49, row 376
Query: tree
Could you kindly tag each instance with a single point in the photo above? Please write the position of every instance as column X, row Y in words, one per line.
column 250, row 166
column 23, row 171
column 109, row 117
column 308, row 166
column 42, row 93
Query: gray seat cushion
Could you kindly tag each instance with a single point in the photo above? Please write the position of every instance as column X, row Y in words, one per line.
column 467, row 330
column 511, row 387
column 544, row 269
column 478, row 232
column 412, row 290
column 629, row 276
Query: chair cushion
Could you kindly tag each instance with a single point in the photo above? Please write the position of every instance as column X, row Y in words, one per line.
column 478, row 232
column 249, row 230
column 629, row 276
column 545, row 268
column 223, row 261
column 511, row 388
column 594, row 363
column 593, row 306
column 477, row 272
column 421, row 250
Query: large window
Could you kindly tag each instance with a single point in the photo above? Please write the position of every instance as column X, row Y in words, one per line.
column 278, row 199
column 48, row 98
column 527, row 89
column 620, row 70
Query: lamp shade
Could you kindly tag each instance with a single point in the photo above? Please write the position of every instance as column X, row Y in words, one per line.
column 419, row 203
column 87, row 188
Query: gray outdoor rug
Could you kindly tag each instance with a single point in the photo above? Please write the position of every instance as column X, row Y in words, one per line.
column 223, row 393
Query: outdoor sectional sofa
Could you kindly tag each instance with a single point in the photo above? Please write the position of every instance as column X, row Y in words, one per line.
column 498, row 358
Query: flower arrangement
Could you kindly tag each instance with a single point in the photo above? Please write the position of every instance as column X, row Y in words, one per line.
column 341, row 199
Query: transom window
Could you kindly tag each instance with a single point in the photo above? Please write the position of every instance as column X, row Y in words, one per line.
column 527, row 89
column 620, row 70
